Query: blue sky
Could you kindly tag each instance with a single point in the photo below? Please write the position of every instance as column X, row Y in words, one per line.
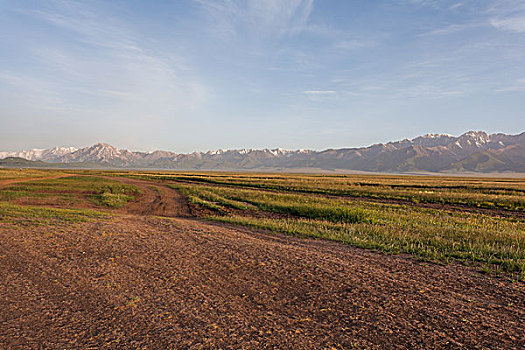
column 195, row 75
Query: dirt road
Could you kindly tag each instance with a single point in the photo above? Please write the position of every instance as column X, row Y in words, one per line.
column 155, row 199
column 138, row 281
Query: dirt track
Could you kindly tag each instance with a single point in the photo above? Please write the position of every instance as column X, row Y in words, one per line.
column 137, row 281
column 155, row 200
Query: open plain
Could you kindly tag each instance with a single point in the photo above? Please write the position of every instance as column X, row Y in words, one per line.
column 101, row 259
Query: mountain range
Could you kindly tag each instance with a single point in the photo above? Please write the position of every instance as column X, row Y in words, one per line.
column 474, row 151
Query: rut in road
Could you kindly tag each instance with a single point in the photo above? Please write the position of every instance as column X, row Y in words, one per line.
column 155, row 200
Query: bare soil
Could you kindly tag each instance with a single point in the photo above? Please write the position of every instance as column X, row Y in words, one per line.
column 139, row 281
column 155, row 200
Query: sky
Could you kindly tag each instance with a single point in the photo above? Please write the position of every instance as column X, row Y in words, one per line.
column 198, row 75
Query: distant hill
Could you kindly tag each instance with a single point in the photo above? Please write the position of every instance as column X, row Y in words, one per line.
column 19, row 162
column 474, row 151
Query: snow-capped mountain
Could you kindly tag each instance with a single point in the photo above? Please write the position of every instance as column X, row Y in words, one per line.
column 472, row 151
column 46, row 155
column 102, row 153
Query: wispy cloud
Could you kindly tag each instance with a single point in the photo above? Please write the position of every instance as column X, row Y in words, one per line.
column 104, row 58
column 319, row 92
column 513, row 24
column 321, row 96
column 230, row 18
column 508, row 15
column 430, row 3
column 455, row 6
column 430, row 78
column 190, row 73
column 23, row 90
column 518, row 85
column 354, row 44
column 454, row 28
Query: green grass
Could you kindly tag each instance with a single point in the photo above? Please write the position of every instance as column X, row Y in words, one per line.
column 114, row 200
column 487, row 241
column 101, row 192
column 325, row 207
column 207, row 197
column 507, row 194
column 16, row 174
column 29, row 215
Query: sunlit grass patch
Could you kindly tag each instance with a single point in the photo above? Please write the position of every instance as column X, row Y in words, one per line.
column 18, row 214
column 430, row 234
column 507, row 194
column 72, row 189
column 208, row 198
column 505, row 251
column 15, row 174
column 114, row 200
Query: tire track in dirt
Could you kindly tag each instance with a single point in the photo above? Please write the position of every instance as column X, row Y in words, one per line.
column 155, row 200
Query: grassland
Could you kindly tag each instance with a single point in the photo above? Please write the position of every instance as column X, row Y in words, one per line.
column 30, row 215
column 490, row 193
column 80, row 191
column 475, row 221
column 375, row 212
column 16, row 174
column 77, row 273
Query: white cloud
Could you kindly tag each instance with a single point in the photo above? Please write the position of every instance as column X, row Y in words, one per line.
column 508, row 15
column 431, row 3
column 319, row 92
column 106, row 63
column 513, row 24
column 26, row 91
column 454, row 28
column 268, row 18
column 353, row 44
column 518, row 85
column 321, row 96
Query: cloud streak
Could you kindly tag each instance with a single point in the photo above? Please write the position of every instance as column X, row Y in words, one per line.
column 508, row 15
column 518, row 85
column 354, row 44
column 319, row 92
column 455, row 28
column 120, row 68
column 194, row 74
column 270, row 18
column 513, row 24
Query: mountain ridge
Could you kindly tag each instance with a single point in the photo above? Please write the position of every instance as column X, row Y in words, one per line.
column 473, row 151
